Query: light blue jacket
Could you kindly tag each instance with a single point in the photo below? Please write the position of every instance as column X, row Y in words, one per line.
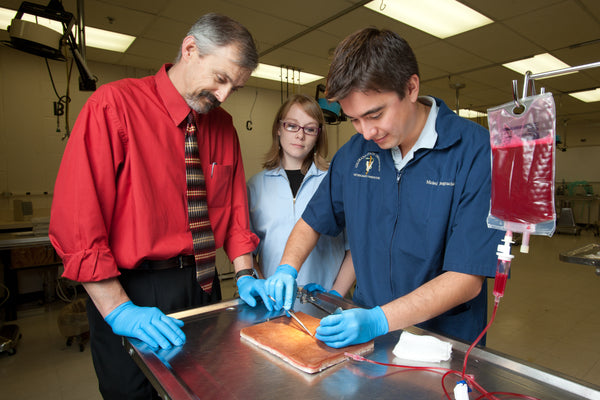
column 273, row 214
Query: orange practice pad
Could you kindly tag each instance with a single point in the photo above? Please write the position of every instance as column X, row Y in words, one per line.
column 286, row 339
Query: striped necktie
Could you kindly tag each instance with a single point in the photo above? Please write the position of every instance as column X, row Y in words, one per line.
column 202, row 234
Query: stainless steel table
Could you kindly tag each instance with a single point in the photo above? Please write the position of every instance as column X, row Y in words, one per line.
column 22, row 239
column 215, row 363
column 586, row 255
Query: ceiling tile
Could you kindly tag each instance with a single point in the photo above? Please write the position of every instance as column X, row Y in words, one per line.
column 306, row 12
column 545, row 29
column 114, row 17
column 364, row 17
column 580, row 55
column 304, row 62
column 496, row 42
column 593, row 6
column 166, row 30
column 454, row 59
column 566, row 83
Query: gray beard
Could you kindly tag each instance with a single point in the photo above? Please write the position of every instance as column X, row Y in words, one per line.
column 199, row 102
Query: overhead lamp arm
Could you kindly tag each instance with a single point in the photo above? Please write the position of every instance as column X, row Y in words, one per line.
column 56, row 12
column 86, row 81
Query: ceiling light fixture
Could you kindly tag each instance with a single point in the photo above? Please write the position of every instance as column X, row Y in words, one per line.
column 441, row 18
column 588, row 96
column 271, row 72
column 468, row 113
column 537, row 64
column 94, row 37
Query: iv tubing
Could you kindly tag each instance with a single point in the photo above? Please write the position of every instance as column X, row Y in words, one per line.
column 445, row 372
column 504, row 259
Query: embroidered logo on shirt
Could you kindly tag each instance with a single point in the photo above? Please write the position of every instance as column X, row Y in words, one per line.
column 368, row 166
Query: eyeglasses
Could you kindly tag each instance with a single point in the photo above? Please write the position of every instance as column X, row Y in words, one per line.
column 310, row 130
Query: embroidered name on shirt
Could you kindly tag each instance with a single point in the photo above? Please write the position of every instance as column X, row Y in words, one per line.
column 368, row 166
column 435, row 183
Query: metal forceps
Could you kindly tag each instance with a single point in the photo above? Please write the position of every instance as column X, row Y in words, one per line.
column 293, row 315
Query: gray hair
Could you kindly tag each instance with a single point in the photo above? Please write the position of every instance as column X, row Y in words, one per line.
column 215, row 30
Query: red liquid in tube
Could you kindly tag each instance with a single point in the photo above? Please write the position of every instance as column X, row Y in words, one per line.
column 500, row 284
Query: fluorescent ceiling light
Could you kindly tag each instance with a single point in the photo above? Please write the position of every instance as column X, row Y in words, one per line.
column 441, row 18
column 587, row 96
column 6, row 16
column 538, row 64
column 467, row 113
column 274, row 73
column 107, row 40
column 94, row 37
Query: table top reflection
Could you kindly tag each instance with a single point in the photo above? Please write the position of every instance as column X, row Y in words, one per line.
column 215, row 363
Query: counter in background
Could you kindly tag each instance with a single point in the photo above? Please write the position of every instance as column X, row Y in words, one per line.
column 24, row 250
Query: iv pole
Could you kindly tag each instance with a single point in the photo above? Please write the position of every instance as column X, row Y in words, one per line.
column 529, row 77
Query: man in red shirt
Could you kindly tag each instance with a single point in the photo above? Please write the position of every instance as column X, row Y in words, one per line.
column 119, row 217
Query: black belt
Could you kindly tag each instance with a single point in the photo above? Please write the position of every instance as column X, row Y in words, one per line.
column 171, row 263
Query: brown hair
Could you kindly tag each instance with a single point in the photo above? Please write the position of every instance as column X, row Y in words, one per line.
column 371, row 59
column 311, row 107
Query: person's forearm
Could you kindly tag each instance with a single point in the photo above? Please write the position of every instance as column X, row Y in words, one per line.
column 243, row 262
column 299, row 244
column 346, row 275
column 106, row 294
column 432, row 299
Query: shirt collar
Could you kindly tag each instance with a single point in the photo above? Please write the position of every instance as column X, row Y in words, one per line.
column 173, row 100
column 312, row 170
column 427, row 138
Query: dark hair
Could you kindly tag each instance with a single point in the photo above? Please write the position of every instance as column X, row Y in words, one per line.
column 318, row 154
column 371, row 59
column 215, row 30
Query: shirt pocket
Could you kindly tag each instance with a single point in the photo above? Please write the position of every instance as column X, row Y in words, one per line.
column 219, row 185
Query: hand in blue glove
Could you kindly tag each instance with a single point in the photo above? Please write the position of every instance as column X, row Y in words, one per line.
column 147, row 324
column 248, row 287
column 282, row 286
column 354, row 326
column 315, row 287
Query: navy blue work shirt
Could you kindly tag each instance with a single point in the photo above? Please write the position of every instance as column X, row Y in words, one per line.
column 406, row 228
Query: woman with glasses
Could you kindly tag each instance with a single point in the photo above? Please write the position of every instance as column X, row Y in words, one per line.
column 294, row 166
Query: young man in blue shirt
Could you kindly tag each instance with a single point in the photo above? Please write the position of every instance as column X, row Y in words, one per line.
column 412, row 190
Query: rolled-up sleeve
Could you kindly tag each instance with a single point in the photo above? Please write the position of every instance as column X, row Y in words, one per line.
column 84, row 195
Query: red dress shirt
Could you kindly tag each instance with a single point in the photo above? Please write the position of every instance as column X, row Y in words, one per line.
column 120, row 194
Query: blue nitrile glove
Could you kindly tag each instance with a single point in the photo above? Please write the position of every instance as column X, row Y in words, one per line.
column 354, row 326
column 282, row 286
column 315, row 287
column 147, row 324
column 248, row 287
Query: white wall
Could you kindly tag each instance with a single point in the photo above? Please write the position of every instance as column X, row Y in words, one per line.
column 30, row 146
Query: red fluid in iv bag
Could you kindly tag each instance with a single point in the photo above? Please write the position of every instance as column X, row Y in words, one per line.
column 522, row 181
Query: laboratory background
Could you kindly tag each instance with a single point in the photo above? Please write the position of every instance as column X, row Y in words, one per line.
column 549, row 316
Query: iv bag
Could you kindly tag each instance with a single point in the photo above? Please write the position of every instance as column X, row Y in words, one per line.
column 523, row 166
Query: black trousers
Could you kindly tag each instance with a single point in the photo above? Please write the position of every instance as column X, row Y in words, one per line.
column 169, row 290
